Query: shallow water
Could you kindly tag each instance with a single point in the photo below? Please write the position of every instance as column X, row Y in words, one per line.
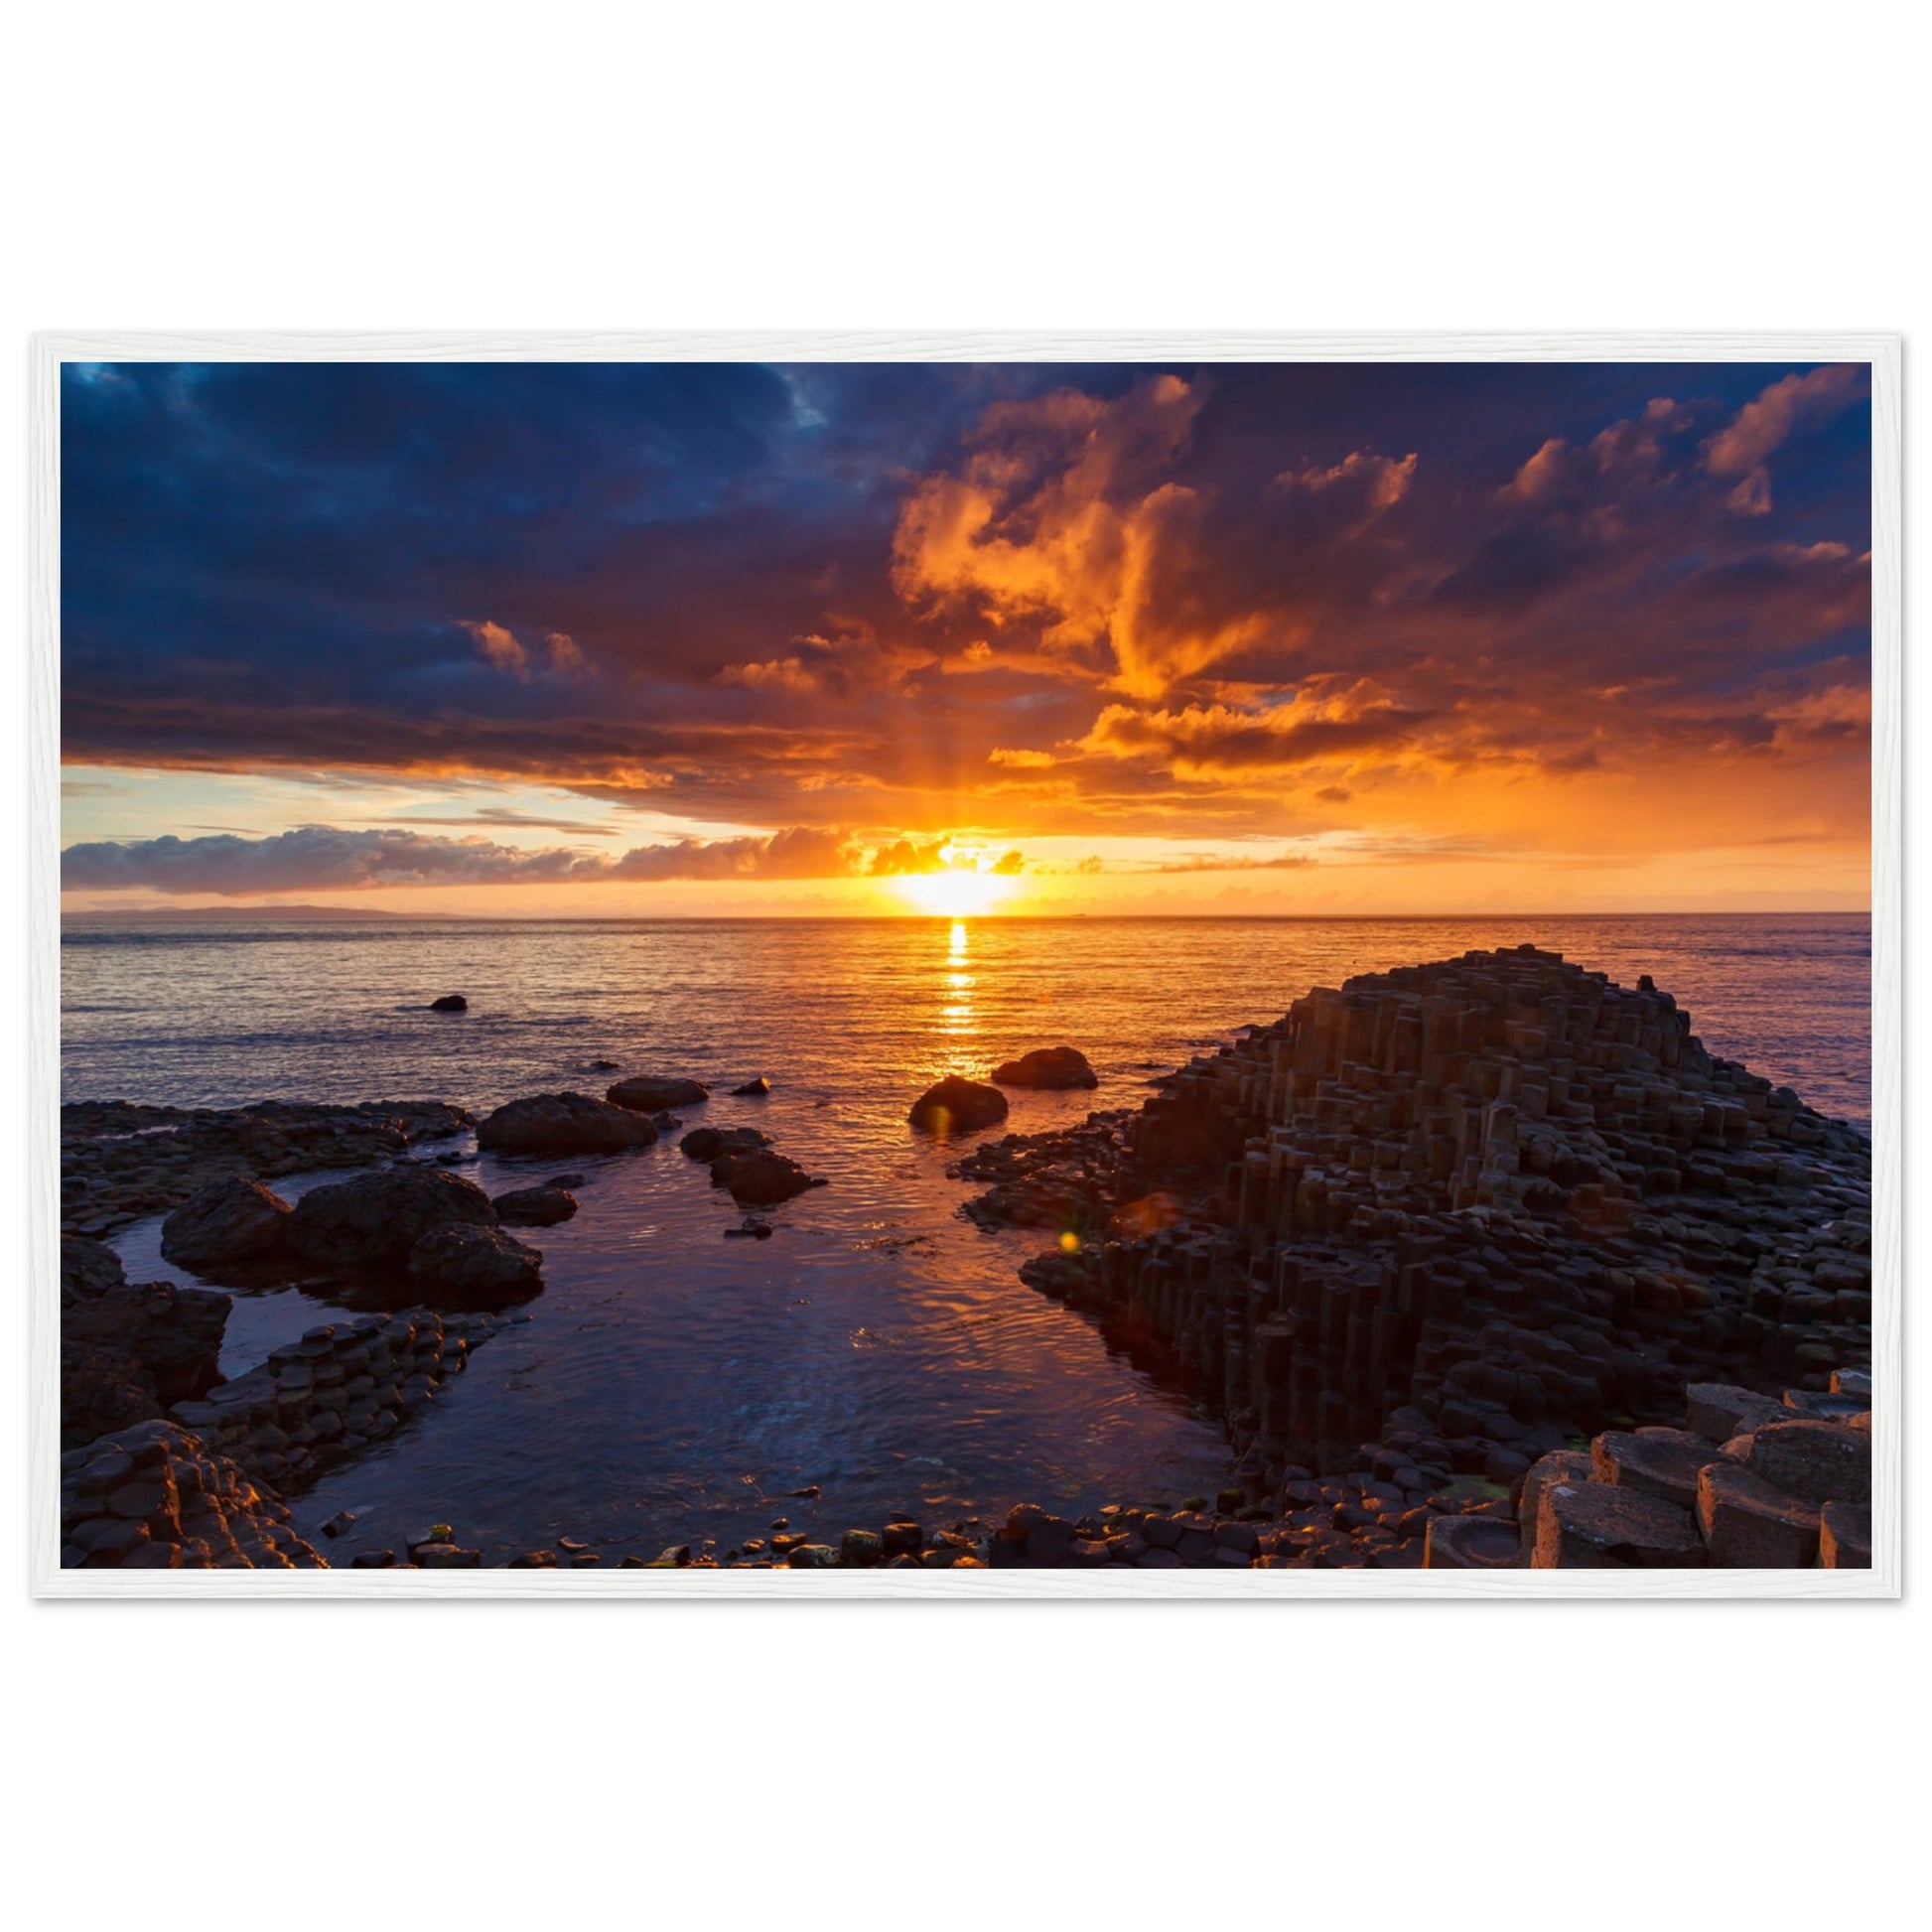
column 674, row 1384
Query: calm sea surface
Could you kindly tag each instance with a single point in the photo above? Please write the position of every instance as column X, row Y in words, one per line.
column 674, row 1384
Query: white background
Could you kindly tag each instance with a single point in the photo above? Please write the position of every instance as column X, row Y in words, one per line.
column 429, row 166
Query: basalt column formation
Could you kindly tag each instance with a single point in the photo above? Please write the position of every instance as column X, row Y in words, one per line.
column 1496, row 1198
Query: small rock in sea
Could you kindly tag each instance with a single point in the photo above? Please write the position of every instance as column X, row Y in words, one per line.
column 1051, row 1067
column 373, row 1560
column 534, row 1560
column 782, row 1522
column 603, row 1066
column 810, row 1492
column 570, row 1545
column 450, row 1002
column 584, row 1559
column 956, row 1105
column 340, row 1524
column 563, row 1123
column 753, row 1089
column 535, row 1207
column 632, row 1563
column 568, row 1180
column 763, row 1178
column 712, row 1143
column 646, row 1093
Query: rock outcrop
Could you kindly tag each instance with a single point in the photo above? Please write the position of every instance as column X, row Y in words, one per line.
column 957, row 1105
column 236, row 1222
column 645, row 1093
column 129, row 1349
column 563, row 1123
column 120, row 1162
column 1048, row 1068
column 450, row 1002
column 761, row 1178
column 1462, row 1214
column 535, row 1207
column 481, row 1266
column 377, row 1219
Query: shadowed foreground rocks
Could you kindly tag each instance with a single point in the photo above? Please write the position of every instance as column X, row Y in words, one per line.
column 129, row 1350
column 120, row 1162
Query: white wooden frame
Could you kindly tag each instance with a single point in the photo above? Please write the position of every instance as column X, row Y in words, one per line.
column 1885, row 1578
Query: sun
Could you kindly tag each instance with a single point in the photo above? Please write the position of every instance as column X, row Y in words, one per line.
column 963, row 886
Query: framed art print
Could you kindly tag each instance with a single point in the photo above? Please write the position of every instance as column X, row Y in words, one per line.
column 1250, row 967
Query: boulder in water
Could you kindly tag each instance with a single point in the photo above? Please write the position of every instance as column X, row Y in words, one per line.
column 450, row 1002
column 753, row 1089
column 1051, row 1067
column 709, row 1143
column 650, row 1093
column 957, row 1105
column 763, row 1178
column 563, row 1123
column 473, row 1261
column 377, row 1219
column 230, row 1221
column 535, row 1207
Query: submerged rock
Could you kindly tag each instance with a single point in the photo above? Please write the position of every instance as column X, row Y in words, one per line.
column 450, row 1002
column 563, row 1123
column 1052, row 1068
column 377, row 1219
column 753, row 1089
column 535, row 1207
column 469, row 1260
column 229, row 1221
column 956, row 1105
column 761, row 1178
column 646, row 1093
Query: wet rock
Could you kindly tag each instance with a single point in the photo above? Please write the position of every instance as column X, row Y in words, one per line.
column 753, row 1089
column 563, row 1123
column 130, row 1350
column 1660, row 1462
column 1559, row 1465
column 482, row 1262
column 340, row 1524
column 230, row 1221
column 1602, row 1526
column 450, row 1002
column 87, row 1268
column 711, row 1143
column 535, row 1207
column 1823, row 1462
column 373, row 1560
column 377, row 1219
column 646, row 1093
column 446, row 1556
column 860, row 1549
column 1047, row 1067
column 763, row 1178
column 1749, row 1525
column 956, row 1105
column 1720, row 1411
column 811, row 1555
column 1844, row 1536
column 901, row 1537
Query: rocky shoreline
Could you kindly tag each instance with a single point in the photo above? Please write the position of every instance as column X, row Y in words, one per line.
column 1485, row 1263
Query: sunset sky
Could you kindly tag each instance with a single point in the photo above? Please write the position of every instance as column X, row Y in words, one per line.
column 730, row 638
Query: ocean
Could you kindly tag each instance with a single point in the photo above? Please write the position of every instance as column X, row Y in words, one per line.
column 672, row 1385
